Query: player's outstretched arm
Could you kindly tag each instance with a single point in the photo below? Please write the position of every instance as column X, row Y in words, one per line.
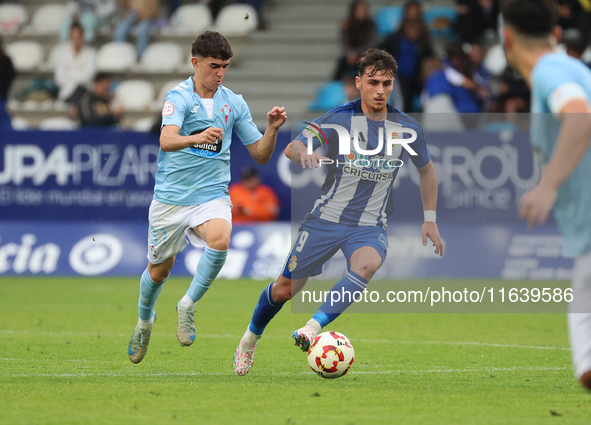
column 262, row 150
column 428, row 187
column 571, row 147
column 172, row 141
column 298, row 153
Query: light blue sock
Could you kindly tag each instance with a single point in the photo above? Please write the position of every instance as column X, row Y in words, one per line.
column 348, row 288
column 208, row 268
column 149, row 291
column 264, row 311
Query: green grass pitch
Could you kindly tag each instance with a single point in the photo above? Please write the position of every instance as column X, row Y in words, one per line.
column 63, row 360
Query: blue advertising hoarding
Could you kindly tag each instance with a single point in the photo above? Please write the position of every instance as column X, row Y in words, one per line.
column 259, row 251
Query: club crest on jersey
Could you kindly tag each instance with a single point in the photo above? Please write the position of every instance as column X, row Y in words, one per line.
column 226, row 110
column 168, row 109
column 293, row 263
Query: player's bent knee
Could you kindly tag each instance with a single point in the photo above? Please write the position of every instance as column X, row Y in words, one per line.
column 281, row 291
column 586, row 380
column 159, row 276
column 220, row 242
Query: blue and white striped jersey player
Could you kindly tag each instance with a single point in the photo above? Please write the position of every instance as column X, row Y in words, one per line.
column 352, row 212
column 191, row 197
column 560, row 134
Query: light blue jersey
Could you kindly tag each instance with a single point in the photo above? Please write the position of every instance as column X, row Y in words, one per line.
column 556, row 80
column 193, row 176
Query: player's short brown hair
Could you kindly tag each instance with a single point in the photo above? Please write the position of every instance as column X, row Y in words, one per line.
column 374, row 60
column 211, row 44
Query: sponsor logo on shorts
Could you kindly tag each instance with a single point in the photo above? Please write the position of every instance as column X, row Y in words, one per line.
column 384, row 240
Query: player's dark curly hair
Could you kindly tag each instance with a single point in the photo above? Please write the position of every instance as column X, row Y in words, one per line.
column 534, row 18
column 376, row 60
column 211, row 44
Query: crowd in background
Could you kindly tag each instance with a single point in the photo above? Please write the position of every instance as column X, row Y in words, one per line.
column 457, row 72
column 430, row 68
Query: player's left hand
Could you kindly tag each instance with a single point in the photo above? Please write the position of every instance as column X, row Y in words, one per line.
column 431, row 231
column 537, row 203
column 276, row 116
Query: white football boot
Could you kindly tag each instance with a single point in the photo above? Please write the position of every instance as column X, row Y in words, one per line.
column 244, row 354
column 305, row 336
column 185, row 325
column 138, row 345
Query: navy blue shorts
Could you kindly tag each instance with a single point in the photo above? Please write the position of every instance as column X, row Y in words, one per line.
column 318, row 240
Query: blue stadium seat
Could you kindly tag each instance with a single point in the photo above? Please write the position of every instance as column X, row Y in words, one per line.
column 436, row 18
column 330, row 95
column 387, row 19
column 498, row 126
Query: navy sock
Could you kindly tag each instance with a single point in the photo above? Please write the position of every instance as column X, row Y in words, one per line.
column 264, row 311
column 348, row 288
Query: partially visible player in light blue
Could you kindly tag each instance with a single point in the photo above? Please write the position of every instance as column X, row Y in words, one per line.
column 560, row 134
column 191, row 197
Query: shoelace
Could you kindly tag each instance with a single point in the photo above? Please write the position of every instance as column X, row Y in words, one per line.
column 187, row 319
column 142, row 336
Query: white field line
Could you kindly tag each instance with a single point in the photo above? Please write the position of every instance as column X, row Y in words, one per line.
column 374, row 341
column 188, row 374
column 484, row 344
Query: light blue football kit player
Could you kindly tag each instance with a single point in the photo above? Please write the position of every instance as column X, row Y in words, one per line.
column 560, row 135
column 191, row 198
column 352, row 213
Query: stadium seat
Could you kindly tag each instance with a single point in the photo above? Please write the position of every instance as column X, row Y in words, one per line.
column 232, row 21
column 440, row 114
column 116, row 57
column 12, row 17
column 161, row 57
column 58, row 124
column 25, row 55
column 185, row 66
column 169, row 85
column 329, row 96
column 47, row 19
column 495, row 60
column 190, row 19
column 499, row 126
column 440, row 20
column 387, row 19
column 135, row 95
column 19, row 123
column 143, row 125
column 55, row 54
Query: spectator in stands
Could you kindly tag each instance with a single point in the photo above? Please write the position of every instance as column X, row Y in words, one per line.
column 139, row 16
column 410, row 45
column 358, row 34
column 251, row 200
column 514, row 95
column 93, row 108
column 7, row 74
column 91, row 14
column 76, row 66
column 575, row 15
column 475, row 17
column 575, row 50
column 455, row 78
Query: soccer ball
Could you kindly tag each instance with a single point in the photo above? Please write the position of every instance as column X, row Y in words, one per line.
column 331, row 355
